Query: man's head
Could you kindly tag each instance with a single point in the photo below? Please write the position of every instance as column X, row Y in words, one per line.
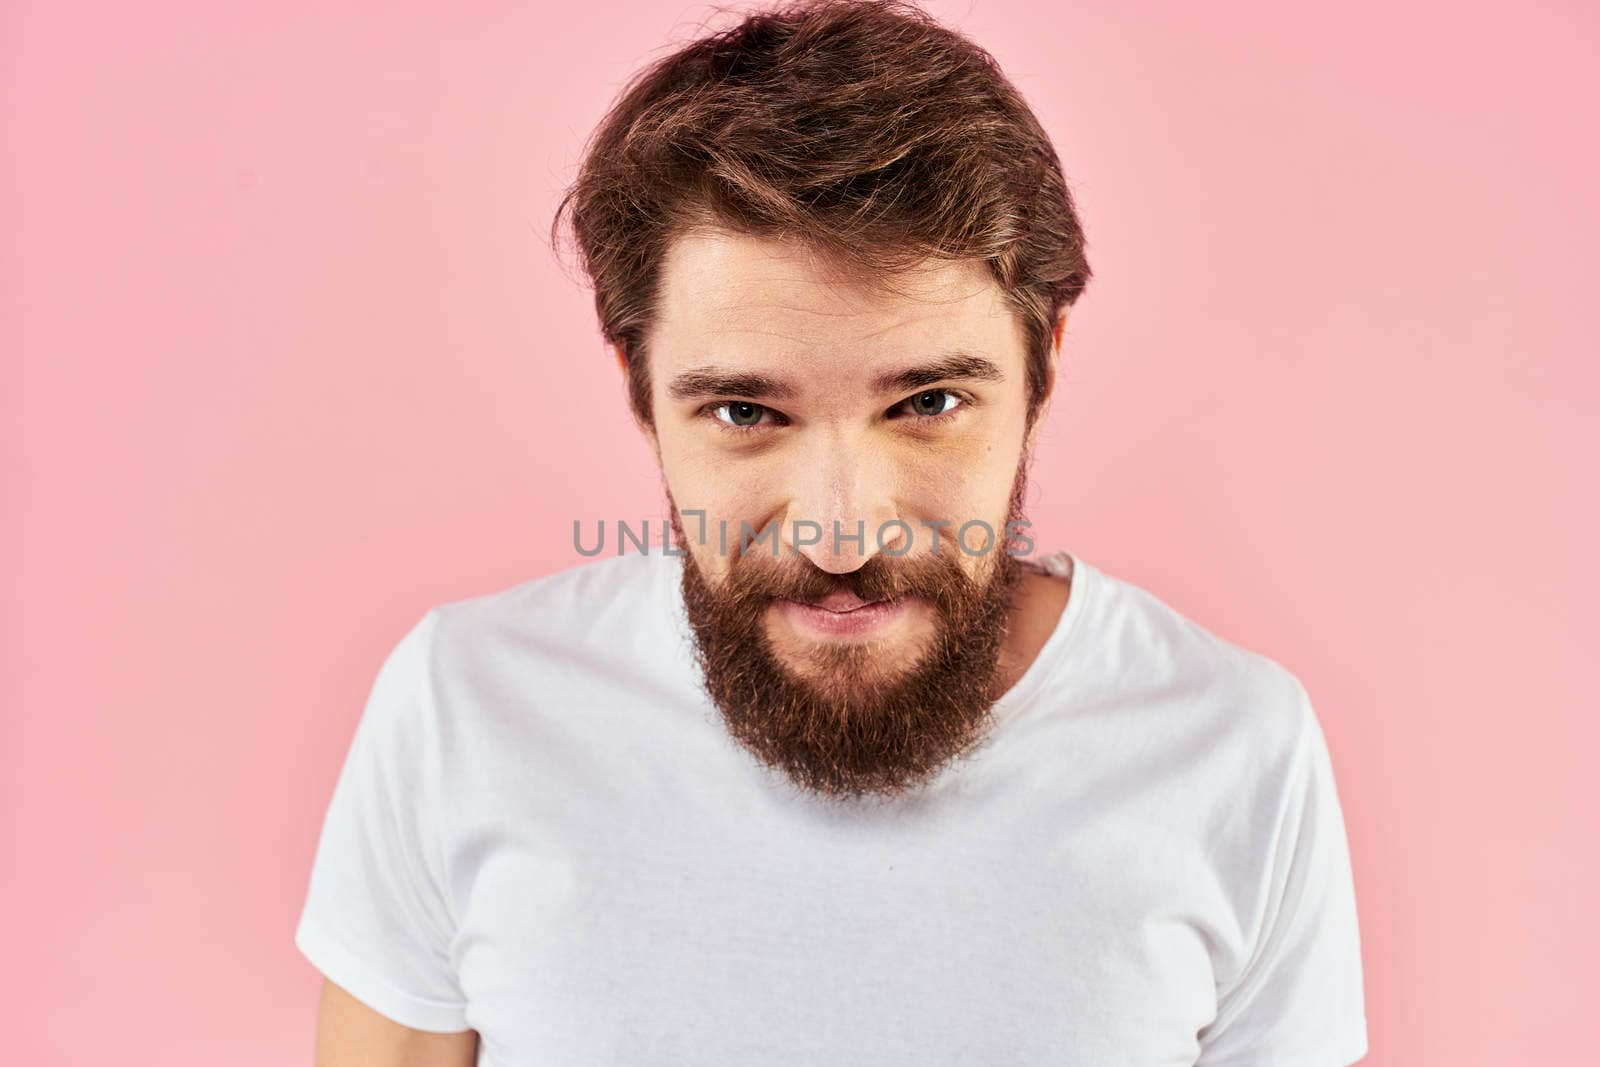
column 832, row 250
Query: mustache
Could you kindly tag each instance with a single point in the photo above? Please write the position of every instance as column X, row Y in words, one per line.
column 934, row 577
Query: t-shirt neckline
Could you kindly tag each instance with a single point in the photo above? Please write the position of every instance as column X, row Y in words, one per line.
column 1053, row 653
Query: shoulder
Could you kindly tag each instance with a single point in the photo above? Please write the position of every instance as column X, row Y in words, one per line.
column 571, row 606
column 584, row 636
column 1238, row 700
column 589, row 584
column 613, row 603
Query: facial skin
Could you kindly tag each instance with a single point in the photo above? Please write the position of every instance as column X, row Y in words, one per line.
column 781, row 396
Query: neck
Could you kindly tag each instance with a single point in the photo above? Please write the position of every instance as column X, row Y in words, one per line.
column 1036, row 607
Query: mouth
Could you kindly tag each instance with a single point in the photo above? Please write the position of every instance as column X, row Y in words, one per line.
column 843, row 616
column 841, row 601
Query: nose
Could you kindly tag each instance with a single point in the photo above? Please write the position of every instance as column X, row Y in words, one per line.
column 841, row 505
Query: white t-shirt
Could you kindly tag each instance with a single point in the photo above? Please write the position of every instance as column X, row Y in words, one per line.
column 543, row 833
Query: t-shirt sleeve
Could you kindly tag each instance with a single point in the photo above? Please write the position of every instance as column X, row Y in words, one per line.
column 377, row 920
column 1298, row 1000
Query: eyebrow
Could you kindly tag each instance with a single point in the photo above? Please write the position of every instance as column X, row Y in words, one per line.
column 713, row 381
column 956, row 366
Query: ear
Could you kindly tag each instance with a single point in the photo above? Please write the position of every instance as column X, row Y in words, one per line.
column 1052, row 364
column 621, row 359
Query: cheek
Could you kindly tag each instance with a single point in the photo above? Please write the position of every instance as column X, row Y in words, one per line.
column 692, row 471
column 958, row 481
column 713, row 499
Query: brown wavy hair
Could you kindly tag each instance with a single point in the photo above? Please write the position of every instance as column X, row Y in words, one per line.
column 862, row 128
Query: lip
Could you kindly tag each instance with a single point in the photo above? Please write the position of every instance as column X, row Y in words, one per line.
column 841, row 601
column 843, row 616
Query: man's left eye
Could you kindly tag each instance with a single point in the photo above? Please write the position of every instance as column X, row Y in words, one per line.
column 932, row 402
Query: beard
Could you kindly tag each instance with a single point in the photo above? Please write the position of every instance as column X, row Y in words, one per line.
column 852, row 725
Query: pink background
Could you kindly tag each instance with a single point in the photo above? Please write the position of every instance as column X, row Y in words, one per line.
column 295, row 364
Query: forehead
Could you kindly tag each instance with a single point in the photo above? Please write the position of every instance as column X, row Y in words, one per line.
column 752, row 301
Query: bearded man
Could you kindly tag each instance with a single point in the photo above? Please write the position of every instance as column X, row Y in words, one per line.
column 842, row 772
